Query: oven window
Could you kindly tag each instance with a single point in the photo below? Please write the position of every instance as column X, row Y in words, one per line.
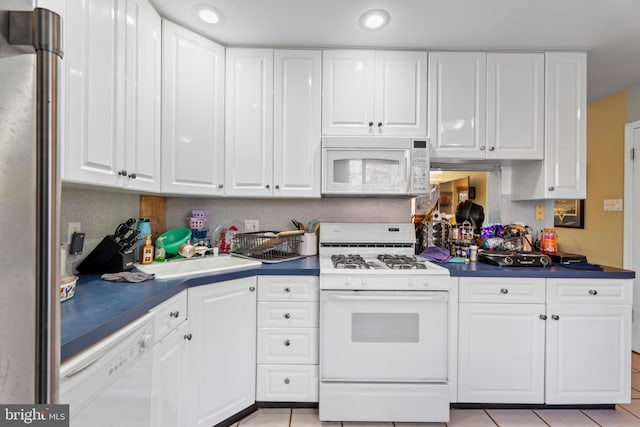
column 366, row 171
column 385, row 327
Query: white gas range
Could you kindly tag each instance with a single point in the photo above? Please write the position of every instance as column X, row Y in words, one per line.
column 384, row 326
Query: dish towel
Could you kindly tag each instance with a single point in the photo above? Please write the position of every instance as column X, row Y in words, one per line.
column 436, row 253
column 127, row 276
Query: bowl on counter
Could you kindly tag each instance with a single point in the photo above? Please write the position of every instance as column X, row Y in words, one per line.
column 172, row 239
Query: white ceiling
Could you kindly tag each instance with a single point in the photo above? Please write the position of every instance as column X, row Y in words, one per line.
column 608, row 29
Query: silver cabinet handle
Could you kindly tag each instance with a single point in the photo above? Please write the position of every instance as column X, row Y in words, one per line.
column 123, row 172
column 220, row 185
column 188, row 336
column 543, row 316
column 287, row 343
column 552, row 188
column 483, row 148
column 287, row 316
column 379, row 124
column 132, row 175
column 287, row 289
column 370, row 124
column 286, row 381
column 504, row 291
column 252, row 289
column 555, row 317
column 492, row 148
column 593, row 292
column 277, row 187
column 268, row 186
column 174, row 314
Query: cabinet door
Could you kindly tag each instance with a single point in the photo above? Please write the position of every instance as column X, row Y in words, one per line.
column 457, row 97
column 501, row 353
column 515, row 102
column 94, row 68
column 249, row 122
column 222, row 351
column 192, row 113
column 169, row 379
column 588, row 354
column 566, row 125
column 142, row 118
column 401, row 93
column 347, row 92
column 296, row 132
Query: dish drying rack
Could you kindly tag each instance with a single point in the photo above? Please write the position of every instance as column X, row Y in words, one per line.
column 268, row 246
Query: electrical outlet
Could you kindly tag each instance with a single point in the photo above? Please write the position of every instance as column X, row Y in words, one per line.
column 74, row 227
column 250, row 225
column 539, row 213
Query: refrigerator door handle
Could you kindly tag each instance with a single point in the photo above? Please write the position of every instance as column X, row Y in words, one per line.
column 42, row 30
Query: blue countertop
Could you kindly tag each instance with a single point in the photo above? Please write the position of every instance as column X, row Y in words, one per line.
column 100, row 307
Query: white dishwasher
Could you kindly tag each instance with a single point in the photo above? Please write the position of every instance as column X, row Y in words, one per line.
column 109, row 384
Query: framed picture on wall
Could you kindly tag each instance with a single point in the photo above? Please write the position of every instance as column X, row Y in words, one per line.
column 568, row 213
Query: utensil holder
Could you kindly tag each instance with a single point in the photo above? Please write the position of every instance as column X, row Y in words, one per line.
column 308, row 244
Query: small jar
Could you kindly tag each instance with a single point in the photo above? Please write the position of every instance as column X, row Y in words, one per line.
column 473, row 253
column 549, row 241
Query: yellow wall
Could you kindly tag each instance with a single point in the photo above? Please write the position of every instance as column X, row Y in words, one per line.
column 601, row 240
column 476, row 179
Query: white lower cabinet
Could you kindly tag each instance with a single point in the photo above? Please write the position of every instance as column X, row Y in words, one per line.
column 287, row 353
column 553, row 341
column 221, row 357
column 169, row 362
column 588, row 341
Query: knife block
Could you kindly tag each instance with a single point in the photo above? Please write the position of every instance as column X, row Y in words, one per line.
column 107, row 257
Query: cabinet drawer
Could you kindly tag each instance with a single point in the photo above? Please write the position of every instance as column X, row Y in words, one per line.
column 170, row 314
column 288, row 345
column 288, row 314
column 498, row 290
column 287, row 383
column 288, row 288
column 590, row 291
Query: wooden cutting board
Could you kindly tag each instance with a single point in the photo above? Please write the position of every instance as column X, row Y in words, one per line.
column 154, row 208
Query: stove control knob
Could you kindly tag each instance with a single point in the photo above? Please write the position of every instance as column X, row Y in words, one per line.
column 410, row 282
column 363, row 281
column 346, row 281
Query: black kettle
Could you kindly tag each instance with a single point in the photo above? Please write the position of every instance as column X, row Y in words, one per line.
column 472, row 212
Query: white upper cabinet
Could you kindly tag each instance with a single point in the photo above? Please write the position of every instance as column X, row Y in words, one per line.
column 112, row 110
column 515, row 106
column 192, row 113
column 272, row 141
column 249, row 122
column 374, row 92
column 457, row 105
column 296, row 126
column 94, row 68
column 566, row 125
column 143, row 88
column 563, row 172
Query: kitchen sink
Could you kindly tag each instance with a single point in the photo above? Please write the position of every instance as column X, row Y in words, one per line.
column 195, row 266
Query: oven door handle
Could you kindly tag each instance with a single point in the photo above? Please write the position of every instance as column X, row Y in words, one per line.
column 397, row 296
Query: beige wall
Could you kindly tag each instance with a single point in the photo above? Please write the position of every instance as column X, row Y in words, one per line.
column 601, row 240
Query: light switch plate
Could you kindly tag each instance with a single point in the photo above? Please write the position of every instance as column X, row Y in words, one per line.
column 539, row 213
column 612, row 204
column 250, row 225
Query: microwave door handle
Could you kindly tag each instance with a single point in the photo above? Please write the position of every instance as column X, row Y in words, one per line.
column 407, row 162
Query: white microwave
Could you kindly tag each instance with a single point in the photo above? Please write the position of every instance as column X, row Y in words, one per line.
column 376, row 166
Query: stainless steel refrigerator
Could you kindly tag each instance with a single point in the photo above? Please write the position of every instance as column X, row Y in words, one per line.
column 30, row 56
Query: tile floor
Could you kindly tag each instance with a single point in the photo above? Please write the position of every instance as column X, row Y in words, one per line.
column 623, row 416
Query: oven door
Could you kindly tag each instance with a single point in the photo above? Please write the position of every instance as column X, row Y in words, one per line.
column 384, row 336
column 366, row 171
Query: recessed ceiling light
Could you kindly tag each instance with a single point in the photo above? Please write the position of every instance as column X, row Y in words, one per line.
column 374, row 19
column 208, row 14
